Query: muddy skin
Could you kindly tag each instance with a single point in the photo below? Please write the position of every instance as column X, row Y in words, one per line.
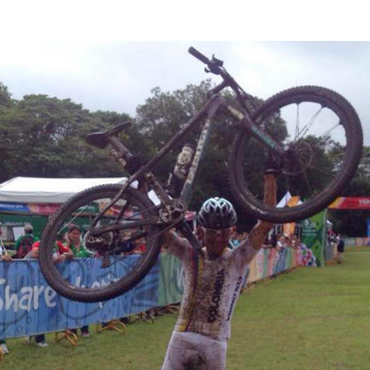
column 194, row 362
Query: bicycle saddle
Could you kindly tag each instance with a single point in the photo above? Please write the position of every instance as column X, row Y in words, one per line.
column 101, row 139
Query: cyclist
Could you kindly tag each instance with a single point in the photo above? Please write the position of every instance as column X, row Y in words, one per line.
column 213, row 280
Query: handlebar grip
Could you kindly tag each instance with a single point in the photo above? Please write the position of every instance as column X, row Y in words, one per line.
column 194, row 52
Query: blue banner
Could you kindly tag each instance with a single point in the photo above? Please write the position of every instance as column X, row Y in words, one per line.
column 29, row 306
column 14, row 207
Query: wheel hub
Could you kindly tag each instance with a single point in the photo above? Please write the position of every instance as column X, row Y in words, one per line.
column 297, row 158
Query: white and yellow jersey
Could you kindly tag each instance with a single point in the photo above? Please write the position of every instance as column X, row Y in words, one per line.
column 211, row 287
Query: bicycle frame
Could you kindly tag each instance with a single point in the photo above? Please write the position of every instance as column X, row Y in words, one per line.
column 206, row 114
column 209, row 110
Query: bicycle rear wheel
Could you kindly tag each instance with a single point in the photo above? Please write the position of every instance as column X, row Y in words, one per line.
column 322, row 137
column 119, row 259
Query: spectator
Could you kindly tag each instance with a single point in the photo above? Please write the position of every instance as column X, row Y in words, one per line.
column 280, row 244
column 61, row 254
column 40, row 338
column 274, row 239
column 126, row 245
column 233, row 242
column 74, row 243
column 340, row 248
column 294, row 241
column 140, row 246
column 4, row 256
column 24, row 243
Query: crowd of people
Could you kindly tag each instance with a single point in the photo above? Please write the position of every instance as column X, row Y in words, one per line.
column 273, row 240
column 27, row 247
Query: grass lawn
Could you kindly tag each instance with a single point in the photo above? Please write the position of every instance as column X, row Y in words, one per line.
column 307, row 319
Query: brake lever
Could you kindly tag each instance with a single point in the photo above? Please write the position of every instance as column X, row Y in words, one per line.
column 217, row 62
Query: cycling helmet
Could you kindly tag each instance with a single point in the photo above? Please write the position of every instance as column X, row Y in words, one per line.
column 217, row 213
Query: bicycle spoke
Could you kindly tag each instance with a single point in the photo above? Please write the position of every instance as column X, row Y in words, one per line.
column 71, row 221
column 297, row 124
column 307, row 182
column 140, row 213
column 123, row 210
column 305, row 129
column 327, row 132
column 321, row 171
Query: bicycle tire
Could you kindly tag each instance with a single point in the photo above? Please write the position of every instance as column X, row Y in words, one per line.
column 144, row 208
column 350, row 126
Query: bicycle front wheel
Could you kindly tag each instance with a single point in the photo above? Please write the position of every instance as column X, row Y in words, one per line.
column 118, row 259
column 322, row 137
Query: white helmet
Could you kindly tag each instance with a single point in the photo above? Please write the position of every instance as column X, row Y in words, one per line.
column 217, row 213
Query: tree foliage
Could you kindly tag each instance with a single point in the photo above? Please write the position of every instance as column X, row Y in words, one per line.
column 5, row 97
column 44, row 137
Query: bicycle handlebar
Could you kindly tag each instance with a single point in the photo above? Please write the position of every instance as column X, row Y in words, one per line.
column 215, row 66
column 197, row 54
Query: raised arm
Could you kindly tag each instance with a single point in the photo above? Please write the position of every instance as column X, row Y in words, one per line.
column 258, row 235
column 174, row 244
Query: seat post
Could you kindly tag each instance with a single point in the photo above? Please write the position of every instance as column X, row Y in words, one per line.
column 118, row 146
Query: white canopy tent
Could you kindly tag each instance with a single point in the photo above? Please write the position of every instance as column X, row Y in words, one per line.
column 23, row 196
column 45, row 190
column 285, row 199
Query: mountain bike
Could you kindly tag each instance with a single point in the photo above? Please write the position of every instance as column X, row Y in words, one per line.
column 310, row 136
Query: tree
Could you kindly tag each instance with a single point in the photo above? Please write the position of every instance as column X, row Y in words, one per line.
column 5, row 97
column 44, row 137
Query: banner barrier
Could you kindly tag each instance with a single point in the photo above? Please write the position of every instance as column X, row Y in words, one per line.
column 28, row 306
column 356, row 242
column 314, row 236
column 269, row 262
column 351, row 203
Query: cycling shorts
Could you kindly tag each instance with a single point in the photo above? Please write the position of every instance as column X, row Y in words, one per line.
column 192, row 351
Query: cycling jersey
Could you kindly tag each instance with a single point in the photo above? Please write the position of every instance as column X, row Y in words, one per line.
column 212, row 287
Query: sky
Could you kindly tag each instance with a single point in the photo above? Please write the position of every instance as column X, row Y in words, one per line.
column 110, row 55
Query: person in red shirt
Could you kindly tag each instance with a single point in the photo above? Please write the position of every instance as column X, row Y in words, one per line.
column 61, row 254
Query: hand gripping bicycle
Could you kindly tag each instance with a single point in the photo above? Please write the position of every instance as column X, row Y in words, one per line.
column 309, row 135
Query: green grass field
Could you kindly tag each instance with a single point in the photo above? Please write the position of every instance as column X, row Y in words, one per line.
column 307, row 319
